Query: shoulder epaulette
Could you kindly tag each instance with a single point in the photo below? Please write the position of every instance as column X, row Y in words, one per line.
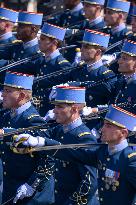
column 34, row 115
column 84, row 133
column 129, row 32
column 131, row 155
column 107, row 71
column 63, row 61
column 17, row 41
column 39, row 51
column 107, row 27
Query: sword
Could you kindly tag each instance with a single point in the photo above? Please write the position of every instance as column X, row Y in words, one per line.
column 29, row 150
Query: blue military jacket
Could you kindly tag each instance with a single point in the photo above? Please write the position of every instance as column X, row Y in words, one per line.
column 116, row 172
column 69, row 17
column 100, row 85
column 116, row 37
column 20, row 169
column 7, row 38
column 125, row 91
column 43, row 66
column 19, row 50
column 16, row 52
column 96, row 24
column 75, row 184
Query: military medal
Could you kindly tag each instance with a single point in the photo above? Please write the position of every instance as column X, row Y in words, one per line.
column 111, row 179
column 116, row 183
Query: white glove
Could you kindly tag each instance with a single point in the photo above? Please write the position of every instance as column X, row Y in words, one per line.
column 86, row 111
column 50, row 115
column 107, row 59
column 30, row 140
column 23, row 191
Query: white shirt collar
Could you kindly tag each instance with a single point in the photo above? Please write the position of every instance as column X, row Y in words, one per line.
column 30, row 43
column 119, row 147
column 118, row 28
column 6, row 36
column 52, row 55
column 23, row 108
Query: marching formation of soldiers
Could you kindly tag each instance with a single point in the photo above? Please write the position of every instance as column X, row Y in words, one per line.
column 68, row 105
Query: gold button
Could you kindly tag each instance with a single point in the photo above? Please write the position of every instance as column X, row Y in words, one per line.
column 56, row 191
column 101, row 189
column 5, row 173
column 57, row 170
column 56, row 180
column 2, row 152
column 3, row 163
column 108, row 159
column 104, row 168
column 101, row 199
column 102, row 178
column 1, row 142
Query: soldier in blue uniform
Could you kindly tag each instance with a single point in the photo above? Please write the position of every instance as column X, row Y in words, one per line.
column 50, row 40
column 132, row 35
column 7, row 19
column 83, row 184
column 115, row 17
column 115, row 160
column 125, row 85
column 28, row 26
column 73, row 14
column 27, row 43
column 94, row 20
column 27, row 173
column 127, row 67
column 93, row 45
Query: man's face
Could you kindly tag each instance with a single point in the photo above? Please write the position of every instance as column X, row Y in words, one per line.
column 133, row 23
column 45, row 43
column 90, row 10
column 127, row 64
column 10, row 97
column 2, row 25
column 24, row 32
column 88, row 52
column 63, row 113
column 111, row 133
column 111, row 17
